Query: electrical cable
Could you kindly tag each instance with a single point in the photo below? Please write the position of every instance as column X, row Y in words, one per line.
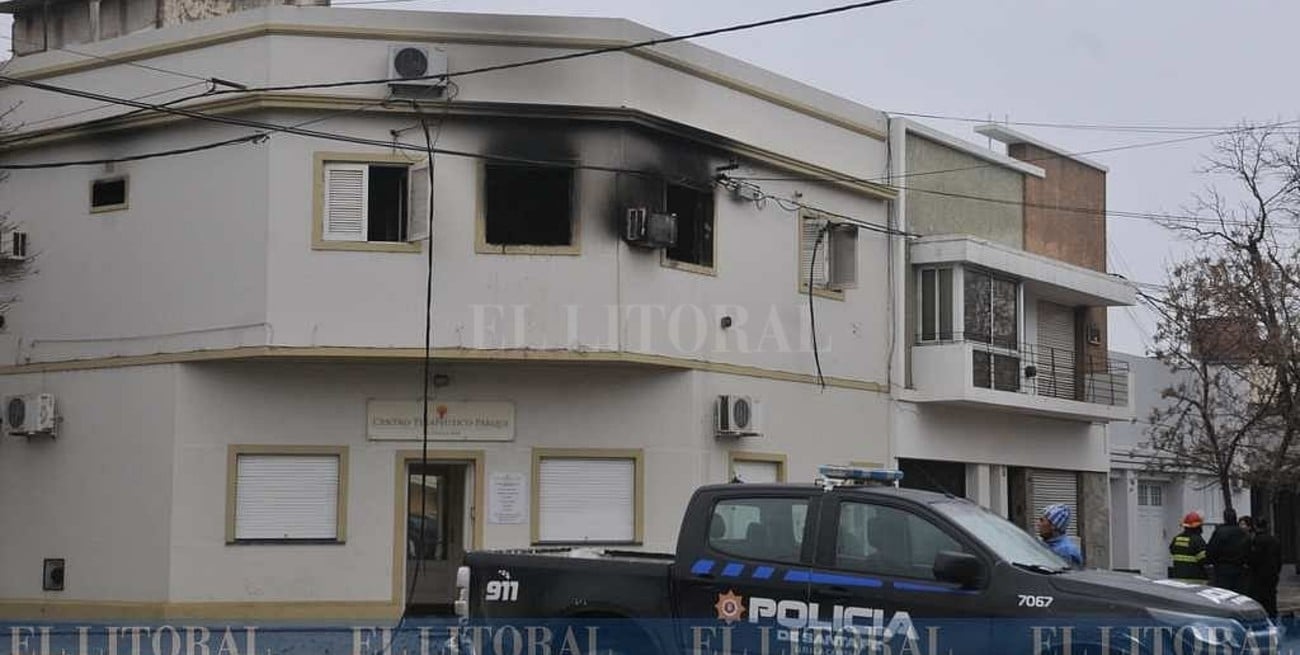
column 812, row 312
column 156, row 69
column 582, row 54
column 1096, row 127
column 78, row 112
column 250, row 138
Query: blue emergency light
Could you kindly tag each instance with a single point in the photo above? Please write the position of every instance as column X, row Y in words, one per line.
column 855, row 475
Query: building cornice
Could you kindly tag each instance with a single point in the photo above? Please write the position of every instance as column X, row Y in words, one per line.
column 435, row 36
column 344, row 103
column 345, row 353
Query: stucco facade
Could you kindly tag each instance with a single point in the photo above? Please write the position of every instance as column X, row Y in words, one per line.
column 208, row 322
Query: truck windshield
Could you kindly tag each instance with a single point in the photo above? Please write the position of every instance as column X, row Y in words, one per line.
column 1002, row 536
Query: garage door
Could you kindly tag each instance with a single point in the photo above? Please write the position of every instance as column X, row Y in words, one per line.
column 1051, row 487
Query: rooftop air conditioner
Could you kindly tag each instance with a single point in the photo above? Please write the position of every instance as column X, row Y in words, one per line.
column 647, row 229
column 30, row 414
column 737, row 416
column 418, row 67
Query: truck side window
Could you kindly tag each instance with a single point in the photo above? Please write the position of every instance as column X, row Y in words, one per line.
column 888, row 541
column 759, row 528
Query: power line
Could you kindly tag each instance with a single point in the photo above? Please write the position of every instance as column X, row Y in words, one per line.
column 251, row 138
column 156, row 69
column 1099, row 127
column 582, row 54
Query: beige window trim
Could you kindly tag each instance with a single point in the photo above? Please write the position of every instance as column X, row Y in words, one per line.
column 232, row 478
column 734, row 456
column 126, row 180
column 318, row 241
column 637, row 455
column 482, row 247
column 833, row 294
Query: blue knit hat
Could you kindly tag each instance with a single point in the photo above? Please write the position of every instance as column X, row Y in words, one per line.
column 1058, row 515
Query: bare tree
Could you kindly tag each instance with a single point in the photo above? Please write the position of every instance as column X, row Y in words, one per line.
column 1228, row 320
column 11, row 269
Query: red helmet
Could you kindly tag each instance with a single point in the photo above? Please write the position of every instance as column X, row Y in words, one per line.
column 1192, row 520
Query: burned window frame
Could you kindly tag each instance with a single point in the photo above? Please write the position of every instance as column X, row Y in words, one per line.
column 666, row 260
column 483, row 247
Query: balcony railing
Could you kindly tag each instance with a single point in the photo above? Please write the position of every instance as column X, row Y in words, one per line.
column 1032, row 369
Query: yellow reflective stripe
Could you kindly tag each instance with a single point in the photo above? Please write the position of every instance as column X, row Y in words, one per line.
column 1200, row 556
column 1187, row 558
column 1182, row 541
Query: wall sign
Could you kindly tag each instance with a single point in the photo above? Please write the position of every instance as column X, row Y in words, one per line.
column 507, row 498
column 449, row 420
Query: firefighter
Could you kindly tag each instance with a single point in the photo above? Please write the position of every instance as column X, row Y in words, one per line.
column 1188, row 551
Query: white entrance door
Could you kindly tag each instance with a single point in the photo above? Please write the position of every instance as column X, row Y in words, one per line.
column 1152, row 533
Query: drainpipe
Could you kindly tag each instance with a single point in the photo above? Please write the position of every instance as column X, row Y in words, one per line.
column 94, row 20
column 896, row 165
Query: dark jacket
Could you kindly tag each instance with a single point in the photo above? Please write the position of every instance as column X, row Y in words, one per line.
column 1229, row 546
column 1265, row 558
column 1188, row 551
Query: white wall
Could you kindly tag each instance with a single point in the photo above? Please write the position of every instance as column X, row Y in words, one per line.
column 99, row 495
column 948, row 433
column 666, row 413
column 187, row 255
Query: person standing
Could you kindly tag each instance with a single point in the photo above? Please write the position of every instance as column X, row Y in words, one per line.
column 1228, row 552
column 1265, row 566
column 1052, row 526
column 1188, row 551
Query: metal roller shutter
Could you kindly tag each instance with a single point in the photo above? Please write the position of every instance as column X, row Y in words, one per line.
column 754, row 472
column 1056, row 351
column 586, row 500
column 1050, row 487
column 286, row 497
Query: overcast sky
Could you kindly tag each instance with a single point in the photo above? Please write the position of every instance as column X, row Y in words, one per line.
column 1173, row 63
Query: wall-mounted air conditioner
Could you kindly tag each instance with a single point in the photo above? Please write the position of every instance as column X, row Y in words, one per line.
column 416, row 67
column 647, row 229
column 32, row 414
column 737, row 416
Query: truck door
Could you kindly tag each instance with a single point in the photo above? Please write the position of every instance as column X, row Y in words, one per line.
column 874, row 570
column 753, row 555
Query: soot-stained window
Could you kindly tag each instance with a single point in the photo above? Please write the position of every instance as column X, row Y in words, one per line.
column 694, row 210
column 528, row 205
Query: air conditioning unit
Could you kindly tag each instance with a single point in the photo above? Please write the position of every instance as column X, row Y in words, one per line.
column 13, row 246
column 416, row 66
column 647, row 229
column 737, row 416
column 30, row 414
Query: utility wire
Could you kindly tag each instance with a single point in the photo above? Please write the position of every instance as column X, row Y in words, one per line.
column 299, row 130
column 250, row 138
column 156, row 69
column 1096, row 127
column 582, row 54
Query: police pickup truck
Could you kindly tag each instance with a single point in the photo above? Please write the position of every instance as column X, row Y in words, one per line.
column 852, row 564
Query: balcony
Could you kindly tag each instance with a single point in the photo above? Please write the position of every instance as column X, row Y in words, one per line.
column 1024, row 377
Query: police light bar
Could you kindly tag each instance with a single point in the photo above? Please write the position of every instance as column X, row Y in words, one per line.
column 845, row 475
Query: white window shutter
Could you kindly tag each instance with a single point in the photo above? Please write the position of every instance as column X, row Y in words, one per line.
column 754, row 472
column 286, row 497
column 417, row 207
column 842, row 241
column 819, row 268
column 586, row 500
column 346, row 198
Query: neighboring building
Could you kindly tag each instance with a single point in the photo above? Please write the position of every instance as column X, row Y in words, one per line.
column 234, row 337
column 1148, row 504
column 1003, row 383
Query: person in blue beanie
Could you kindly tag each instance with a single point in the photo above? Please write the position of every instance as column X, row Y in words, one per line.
column 1052, row 526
